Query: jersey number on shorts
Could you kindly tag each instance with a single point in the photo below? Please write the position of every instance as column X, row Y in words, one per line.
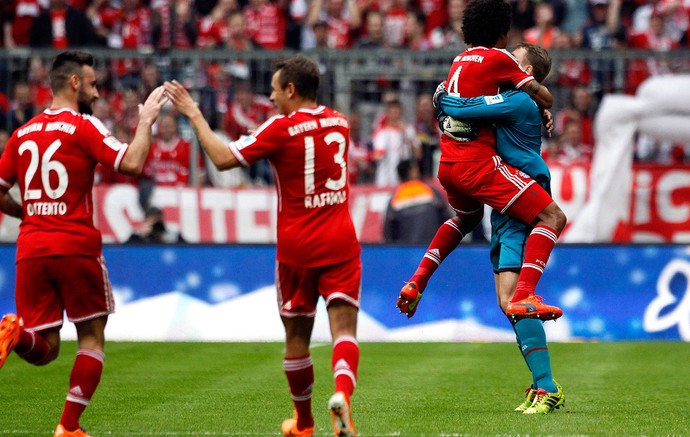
column 338, row 158
column 47, row 165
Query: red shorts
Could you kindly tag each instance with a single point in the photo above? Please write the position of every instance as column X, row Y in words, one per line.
column 299, row 288
column 494, row 183
column 46, row 286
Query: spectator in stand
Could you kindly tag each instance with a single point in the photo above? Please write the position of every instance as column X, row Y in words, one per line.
column 415, row 210
column 150, row 78
column 247, row 112
column 104, row 112
column 394, row 141
column 360, row 155
column 450, row 35
column 435, row 14
column 22, row 107
column 17, row 19
column 107, row 175
column 372, row 35
column 320, row 31
column 603, row 32
column 128, row 27
column 212, row 29
column 580, row 109
column 173, row 26
column 4, row 137
column 655, row 38
column 522, row 15
column 415, row 38
column 129, row 115
column 394, row 23
column 341, row 20
column 569, row 148
column 575, row 16
column 676, row 12
column 569, row 72
column 62, row 26
column 428, row 135
column 169, row 161
column 40, row 84
column 544, row 30
column 266, row 23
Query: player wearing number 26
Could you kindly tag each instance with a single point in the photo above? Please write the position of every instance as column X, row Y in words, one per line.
column 317, row 248
column 59, row 262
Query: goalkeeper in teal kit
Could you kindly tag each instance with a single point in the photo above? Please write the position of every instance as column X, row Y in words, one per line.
column 518, row 122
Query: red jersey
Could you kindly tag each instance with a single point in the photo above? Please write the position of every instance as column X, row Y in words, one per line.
column 480, row 71
column 53, row 158
column 308, row 151
column 266, row 26
column 168, row 164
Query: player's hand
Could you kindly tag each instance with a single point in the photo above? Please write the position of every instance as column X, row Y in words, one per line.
column 408, row 301
column 180, row 97
column 148, row 112
column 547, row 120
column 457, row 130
column 441, row 92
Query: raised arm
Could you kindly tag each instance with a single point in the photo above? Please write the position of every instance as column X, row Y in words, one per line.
column 135, row 157
column 502, row 106
column 215, row 148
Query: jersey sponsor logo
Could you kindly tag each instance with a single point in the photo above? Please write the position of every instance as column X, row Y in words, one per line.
column 493, row 100
column 46, row 208
column 113, row 143
column 33, row 127
column 61, row 126
column 325, row 199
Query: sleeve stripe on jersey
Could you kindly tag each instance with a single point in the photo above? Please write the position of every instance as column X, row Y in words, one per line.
column 524, row 81
column 236, row 151
column 120, row 155
column 266, row 124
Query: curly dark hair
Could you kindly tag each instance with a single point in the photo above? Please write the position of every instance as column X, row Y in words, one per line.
column 484, row 22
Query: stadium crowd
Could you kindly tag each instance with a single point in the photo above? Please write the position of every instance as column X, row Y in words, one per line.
column 385, row 130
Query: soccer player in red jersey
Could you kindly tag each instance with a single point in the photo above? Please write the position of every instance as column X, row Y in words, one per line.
column 59, row 262
column 317, row 251
column 473, row 174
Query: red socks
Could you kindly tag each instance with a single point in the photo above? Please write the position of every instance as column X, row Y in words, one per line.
column 445, row 241
column 300, row 376
column 31, row 347
column 537, row 251
column 345, row 361
column 83, row 381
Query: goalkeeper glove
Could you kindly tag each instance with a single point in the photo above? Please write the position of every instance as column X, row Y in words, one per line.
column 457, row 130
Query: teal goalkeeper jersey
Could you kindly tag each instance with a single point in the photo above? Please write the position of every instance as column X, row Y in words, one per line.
column 517, row 120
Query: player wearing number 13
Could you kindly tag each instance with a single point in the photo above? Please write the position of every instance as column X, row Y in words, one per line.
column 59, row 262
column 317, row 248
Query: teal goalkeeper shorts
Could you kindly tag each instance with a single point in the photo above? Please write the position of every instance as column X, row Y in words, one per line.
column 508, row 238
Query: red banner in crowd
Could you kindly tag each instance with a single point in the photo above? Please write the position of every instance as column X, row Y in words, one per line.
column 659, row 209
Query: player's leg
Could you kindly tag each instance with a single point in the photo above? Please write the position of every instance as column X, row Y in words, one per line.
column 513, row 193
column 548, row 227
column 34, row 333
column 88, row 300
column 340, row 286
column 447, row 238
column 297, row 297
column 85, row 375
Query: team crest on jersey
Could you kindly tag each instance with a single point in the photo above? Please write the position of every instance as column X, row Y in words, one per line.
column 245, row 141
column 523, row 174
column 492, row 100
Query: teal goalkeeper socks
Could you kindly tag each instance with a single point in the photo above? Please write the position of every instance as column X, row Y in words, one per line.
column 532, row 341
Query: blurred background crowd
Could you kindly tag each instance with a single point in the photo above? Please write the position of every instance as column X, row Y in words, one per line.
column 392, row 118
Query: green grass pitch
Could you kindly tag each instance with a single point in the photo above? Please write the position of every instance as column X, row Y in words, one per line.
column 417, row 389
